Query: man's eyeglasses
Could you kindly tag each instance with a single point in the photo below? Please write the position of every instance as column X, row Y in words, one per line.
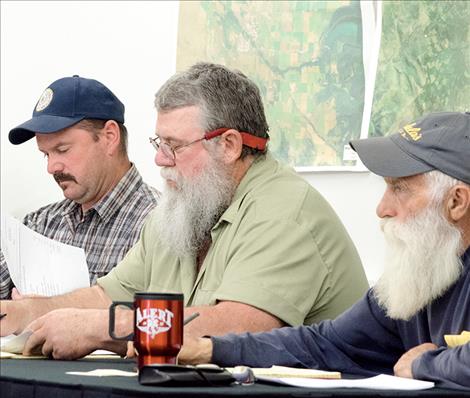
column 170, row 151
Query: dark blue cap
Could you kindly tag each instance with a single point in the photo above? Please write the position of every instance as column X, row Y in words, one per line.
column 66, row 102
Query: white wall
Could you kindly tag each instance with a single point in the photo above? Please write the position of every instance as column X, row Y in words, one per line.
column 130, row 47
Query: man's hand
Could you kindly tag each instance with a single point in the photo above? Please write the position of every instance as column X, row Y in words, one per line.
column 65, row 333
column 24, row 310
column 16, row 317
column 403, row 367
column 195, row 350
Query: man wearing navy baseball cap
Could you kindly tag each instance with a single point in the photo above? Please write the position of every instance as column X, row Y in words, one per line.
column 415, row 322
column 79, row 126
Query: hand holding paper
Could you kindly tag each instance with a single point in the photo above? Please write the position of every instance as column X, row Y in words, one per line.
column 39, row 265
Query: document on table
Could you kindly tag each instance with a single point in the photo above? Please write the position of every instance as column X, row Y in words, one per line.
column 284, row 372
column 105, row 372
column 13, row 344
column 380, row 382
column 39, row 265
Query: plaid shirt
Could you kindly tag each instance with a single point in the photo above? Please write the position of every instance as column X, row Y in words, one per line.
column 106, row 232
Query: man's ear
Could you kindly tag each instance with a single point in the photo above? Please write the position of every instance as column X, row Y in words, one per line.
column 458, row 202
column 232, row 145
column 112, row 136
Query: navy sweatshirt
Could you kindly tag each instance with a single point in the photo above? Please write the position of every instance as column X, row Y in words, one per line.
column 364, row 341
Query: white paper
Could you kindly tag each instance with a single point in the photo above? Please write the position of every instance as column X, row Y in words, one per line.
column 284, row 371
column 349, row 154
column 39, row 265
column 14, row 344
column 104, row 372
column 102, row 352
column 380, row 382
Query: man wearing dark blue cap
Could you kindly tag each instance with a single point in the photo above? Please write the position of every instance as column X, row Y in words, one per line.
column 415, row 322
column 79, row 126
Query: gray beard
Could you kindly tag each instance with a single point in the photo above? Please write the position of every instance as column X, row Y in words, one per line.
column 422, row 262
column 185, row 215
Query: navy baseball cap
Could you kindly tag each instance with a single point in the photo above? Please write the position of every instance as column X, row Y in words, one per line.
column 437, row 141
column 66, row 102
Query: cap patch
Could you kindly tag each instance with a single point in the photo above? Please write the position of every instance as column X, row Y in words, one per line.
column 409, row 131
column 44, row 100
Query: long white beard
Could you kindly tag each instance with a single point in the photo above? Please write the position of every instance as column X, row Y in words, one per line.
column 186, row 214
column 422, row 262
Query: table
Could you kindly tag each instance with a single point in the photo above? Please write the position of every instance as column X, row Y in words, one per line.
column 37, row 378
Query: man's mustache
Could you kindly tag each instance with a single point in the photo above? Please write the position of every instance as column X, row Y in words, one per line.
column 60, row 177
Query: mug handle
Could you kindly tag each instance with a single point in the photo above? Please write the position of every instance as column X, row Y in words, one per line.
column 112, row 310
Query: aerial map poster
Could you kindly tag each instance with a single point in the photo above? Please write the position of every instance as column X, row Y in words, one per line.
column 424, row 62
column 316, row 64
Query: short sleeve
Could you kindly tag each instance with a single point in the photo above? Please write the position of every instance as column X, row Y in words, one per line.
column 276, row 271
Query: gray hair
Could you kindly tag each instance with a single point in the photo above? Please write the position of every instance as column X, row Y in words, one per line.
column 226, row 98
column 439, row 184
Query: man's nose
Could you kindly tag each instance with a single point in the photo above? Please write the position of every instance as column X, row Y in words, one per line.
column 54, row 166
column 386, row 207
column 162, row 160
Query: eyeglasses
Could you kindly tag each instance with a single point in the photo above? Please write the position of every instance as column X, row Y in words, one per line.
column 169, row 151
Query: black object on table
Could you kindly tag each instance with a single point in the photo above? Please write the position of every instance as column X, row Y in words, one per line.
column 38, row 378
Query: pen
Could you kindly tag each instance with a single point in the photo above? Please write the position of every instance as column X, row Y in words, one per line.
column 4, row 315
column 190, row 318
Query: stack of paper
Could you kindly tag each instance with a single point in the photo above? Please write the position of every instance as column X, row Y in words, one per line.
column 12, row 345
column 39, row 265
column 314, row 378
column 380, row 382
column 283, row 371
column 105, row 373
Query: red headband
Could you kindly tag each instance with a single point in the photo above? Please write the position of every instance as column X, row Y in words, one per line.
column 248, row 139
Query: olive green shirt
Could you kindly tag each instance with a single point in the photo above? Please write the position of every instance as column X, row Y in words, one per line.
column 279, row 247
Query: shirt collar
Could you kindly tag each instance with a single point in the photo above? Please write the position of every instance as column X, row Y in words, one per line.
column 71, row 207
column 257, row 173
column 119, row 195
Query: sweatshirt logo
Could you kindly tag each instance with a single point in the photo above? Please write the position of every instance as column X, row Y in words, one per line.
column 153, row 321
column 410, row 131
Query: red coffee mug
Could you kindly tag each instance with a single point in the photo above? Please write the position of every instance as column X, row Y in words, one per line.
column 158, row 326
